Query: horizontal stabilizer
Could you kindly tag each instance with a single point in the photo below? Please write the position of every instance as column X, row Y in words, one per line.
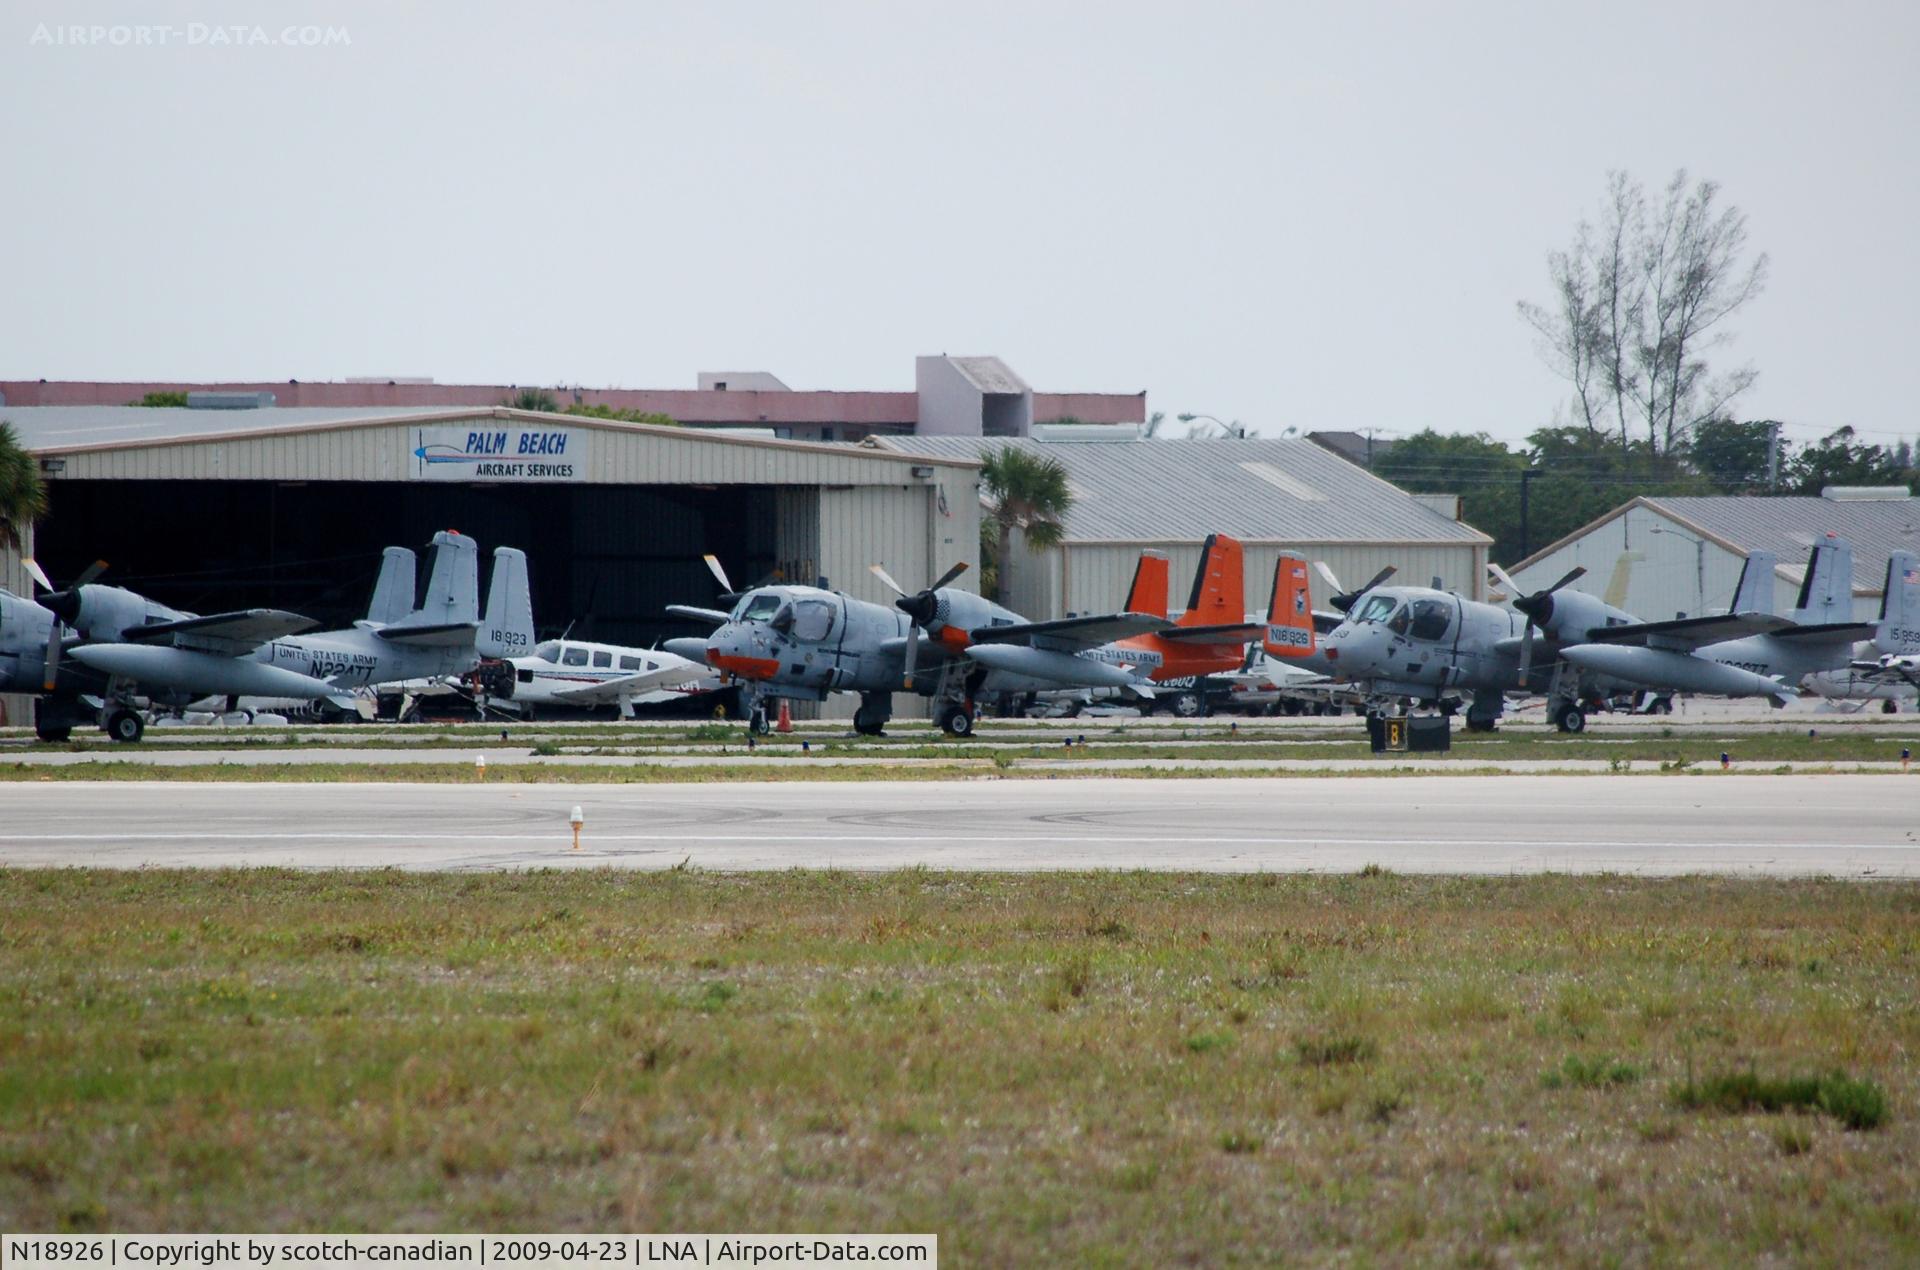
column 243, row 629
column 1073, row 632
column 712, row 617
column 1829, row 632
column 444, row 635
column 1238, row 633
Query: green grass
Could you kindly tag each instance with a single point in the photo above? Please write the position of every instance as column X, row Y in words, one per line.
column 1113, row 1068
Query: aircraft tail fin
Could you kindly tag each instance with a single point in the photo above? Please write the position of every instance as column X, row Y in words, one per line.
column 453, row 583
column 508, row 630
column 1826, row 593
column 1290, row 611
column 1148, row 594
column 1899, row 629
column 393, row 592
column 1755, row 592
column 1219, row 585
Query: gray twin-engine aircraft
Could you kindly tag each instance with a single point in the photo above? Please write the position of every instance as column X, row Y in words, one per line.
column 129, row 647
column 802, row 642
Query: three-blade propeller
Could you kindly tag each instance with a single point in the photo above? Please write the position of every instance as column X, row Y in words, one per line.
column 1537, row 608
column 920, row 608
column 65, row 607
column 1345, row 600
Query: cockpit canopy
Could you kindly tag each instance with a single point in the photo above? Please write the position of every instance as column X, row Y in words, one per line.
column 758, row 606
column 1375, row 608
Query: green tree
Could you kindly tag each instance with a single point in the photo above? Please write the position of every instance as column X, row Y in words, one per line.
column 624, row 416
column 533, row 399
column 165, row 400
column 1732, row 455
column 1483, row 471
column 1028, row 493
column 23, row 495
column 1839, row 459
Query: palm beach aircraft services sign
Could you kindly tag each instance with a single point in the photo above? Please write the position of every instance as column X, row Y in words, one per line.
column 512, row 454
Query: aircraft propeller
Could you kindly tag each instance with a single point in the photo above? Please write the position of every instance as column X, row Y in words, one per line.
column 920, row 608
column 1345, row 600
column 63, row 604
column 1537, row 607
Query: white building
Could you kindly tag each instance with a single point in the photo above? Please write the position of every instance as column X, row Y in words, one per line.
column 1662, row 557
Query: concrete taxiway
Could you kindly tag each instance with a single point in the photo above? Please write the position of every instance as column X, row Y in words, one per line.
column 1840, row 825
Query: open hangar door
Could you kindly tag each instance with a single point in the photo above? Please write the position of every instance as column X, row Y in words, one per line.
column 614, row 554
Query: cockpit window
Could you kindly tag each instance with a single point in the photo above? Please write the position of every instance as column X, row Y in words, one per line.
column 1399, row 621
column 574, row 657
column 549, row 651
column 812, row 620
column 1375, row 608
column 1431, row 619
column 759, row 608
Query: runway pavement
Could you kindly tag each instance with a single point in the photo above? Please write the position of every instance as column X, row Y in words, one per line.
column 1850, row 826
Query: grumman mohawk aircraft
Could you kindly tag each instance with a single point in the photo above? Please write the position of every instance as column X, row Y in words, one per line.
column 803, row 642
column 130, row 647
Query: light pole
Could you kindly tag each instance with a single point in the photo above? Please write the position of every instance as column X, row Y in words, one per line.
column 1699, row 564
column 1236, row 429
column 1526, row 536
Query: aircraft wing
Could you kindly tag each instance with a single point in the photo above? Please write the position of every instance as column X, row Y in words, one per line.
column 1830, row 632
column 232, row 633
column 613, row 691
column 1690, row 632
column 1892, row 670
column 1238, row 633
column 444, row 635
column 1072, row 632
column 712, row 617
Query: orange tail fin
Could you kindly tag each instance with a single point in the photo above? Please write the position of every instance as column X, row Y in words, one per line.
column 1290, row 612
column 1148, row 594
column 1219, row 585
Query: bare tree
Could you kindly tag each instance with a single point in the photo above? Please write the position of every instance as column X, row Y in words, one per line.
column 1638, row 305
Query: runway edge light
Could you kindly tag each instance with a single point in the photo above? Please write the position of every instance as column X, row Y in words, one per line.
column 576, row 819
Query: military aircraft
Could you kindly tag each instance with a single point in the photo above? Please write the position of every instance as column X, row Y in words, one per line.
column 804, row 642
column 1748, row 652
column 576, row 674
column 146, row 650
column 1403, row 645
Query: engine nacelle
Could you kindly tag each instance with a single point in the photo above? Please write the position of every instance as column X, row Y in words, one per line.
column 104, row 614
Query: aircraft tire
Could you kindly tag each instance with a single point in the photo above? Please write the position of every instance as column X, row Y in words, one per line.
column 1187, row 705
column 125, row 726
column 53, row 731
column 1889, row 706
column 956, row 721
column 757, row 723
column 1570, row 718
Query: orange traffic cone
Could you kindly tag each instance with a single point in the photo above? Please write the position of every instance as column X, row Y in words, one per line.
column 786, row 718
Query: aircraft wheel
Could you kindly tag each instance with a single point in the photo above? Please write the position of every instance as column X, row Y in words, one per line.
column 1188, row 705
column 1570, row 718
column 956, row 721
column 125, row 726
column 53, row 731
column 1889, row 706
column 757, row 723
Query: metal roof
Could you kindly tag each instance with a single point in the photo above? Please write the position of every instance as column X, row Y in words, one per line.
column 1285, row 491
column 1786, row 525
column 70, row 429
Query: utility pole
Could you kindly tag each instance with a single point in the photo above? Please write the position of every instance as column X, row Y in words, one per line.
column 1773, row 456
column 1526, row 478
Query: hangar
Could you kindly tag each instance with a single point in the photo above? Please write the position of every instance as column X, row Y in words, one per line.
column 1658, row 557
column 1132, row 494
column 289, row 507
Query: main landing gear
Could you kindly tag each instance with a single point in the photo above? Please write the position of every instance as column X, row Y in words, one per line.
column 955, row 719
column 1569, row 717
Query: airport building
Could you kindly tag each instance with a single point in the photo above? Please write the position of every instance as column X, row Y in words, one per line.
column 1664, row 557
column 1132, row 494
column 210, row 510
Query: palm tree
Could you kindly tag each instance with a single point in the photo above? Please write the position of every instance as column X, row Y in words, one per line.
column 23, row 495
column 1025, row 492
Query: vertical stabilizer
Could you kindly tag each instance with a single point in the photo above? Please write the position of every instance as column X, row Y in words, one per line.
column 508, row 629
column 1826, row 593
column 1755, row 592
column 1899, row 630
column 1148, row 594
column 393, row 592
column 1219, row 585
column 1290, row 611
column 453, row 582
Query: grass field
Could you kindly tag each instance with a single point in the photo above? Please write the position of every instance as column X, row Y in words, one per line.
column 1110, row 1068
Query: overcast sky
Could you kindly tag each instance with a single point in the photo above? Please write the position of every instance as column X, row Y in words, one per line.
column 1312, row 215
